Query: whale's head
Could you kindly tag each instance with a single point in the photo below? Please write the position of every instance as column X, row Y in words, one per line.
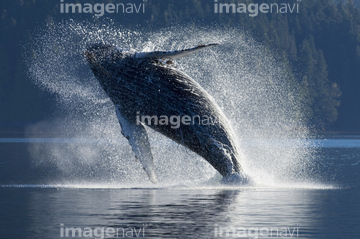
column 94, row 52
column 97, row 53
column 105, row 60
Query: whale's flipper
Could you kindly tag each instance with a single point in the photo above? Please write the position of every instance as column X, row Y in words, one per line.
column 172, row 54
column 138, row 138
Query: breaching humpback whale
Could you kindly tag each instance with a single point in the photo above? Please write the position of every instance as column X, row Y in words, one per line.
column 146, row 84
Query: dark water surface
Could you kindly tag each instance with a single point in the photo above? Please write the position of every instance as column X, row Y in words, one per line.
column 328, row 209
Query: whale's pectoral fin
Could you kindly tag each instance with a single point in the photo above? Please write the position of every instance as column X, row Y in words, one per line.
column 172, row 54
column 138, row 139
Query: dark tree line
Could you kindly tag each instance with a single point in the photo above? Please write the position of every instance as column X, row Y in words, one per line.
column 321, row 44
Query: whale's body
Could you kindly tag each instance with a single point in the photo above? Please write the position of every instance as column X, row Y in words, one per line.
column 142, row 85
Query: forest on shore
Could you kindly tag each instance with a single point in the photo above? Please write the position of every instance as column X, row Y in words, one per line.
column 320, row 43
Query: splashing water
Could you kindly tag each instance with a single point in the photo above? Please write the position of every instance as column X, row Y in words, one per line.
column 249, row 85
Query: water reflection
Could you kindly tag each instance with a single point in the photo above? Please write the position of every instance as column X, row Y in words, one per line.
column 192, row 211
column 177, row 213
column 163, row 212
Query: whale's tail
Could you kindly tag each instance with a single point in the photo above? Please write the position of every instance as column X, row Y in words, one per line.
column 172, row 54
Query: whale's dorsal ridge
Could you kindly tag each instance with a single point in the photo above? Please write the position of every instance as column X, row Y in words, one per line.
column 172, row 54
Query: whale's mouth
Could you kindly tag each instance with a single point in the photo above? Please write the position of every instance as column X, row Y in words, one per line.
column 95, row 50
column 90, row 57
column 94, row 57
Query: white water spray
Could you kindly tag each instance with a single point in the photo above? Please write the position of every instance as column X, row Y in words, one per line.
column 249, row 85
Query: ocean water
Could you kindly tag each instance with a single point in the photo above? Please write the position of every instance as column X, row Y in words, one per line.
column 74, row 175
column 34, row 204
